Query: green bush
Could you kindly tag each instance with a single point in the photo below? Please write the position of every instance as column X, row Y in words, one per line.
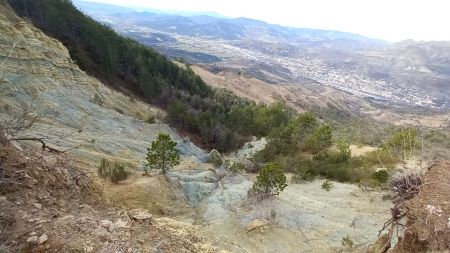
column 347, row 242
column 318, row 140
column 151, row 119
column 116, row 172
column 301, row 133
column 118, row 110
column 98, row 100
column 332, row 165
column 235, row 167
column 306, row 171
column 270, row 181
column 327, row 185
column 381, row 176
column 103, row 170
column 399, row 145
column 342, row 174
column 138, row 116
column 215, row 158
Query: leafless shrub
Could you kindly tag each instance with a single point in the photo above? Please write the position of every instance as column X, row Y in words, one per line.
column 405, row 186
column 12, row 126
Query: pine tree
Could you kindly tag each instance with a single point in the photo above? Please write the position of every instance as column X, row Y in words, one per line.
column 163, row 153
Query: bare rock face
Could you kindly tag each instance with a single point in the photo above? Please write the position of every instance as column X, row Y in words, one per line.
column 196, row 184
column 74, row 109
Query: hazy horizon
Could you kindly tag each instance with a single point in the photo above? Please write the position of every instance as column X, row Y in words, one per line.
column 383, row 19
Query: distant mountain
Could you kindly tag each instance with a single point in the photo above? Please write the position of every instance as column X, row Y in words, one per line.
column 217, row 27
column 404, row 73
column 111, row 9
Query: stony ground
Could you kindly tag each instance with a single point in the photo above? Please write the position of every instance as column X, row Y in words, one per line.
column 48, row 203
column 304, row 216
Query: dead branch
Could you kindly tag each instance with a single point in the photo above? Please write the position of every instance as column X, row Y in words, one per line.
column 41, row 140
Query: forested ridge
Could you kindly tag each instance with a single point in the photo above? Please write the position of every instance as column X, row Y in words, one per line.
column 221, row 119
column 101, row 52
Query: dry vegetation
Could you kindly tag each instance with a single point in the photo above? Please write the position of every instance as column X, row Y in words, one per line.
column 421, row 212
column 428, row 216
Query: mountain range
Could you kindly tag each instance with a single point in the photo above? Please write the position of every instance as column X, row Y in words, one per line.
column 407, row 73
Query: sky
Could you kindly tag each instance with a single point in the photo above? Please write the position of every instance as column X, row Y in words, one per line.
column 391, row 20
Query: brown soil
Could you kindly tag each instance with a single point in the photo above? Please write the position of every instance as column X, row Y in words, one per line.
column 49, row 203
column 428, row 219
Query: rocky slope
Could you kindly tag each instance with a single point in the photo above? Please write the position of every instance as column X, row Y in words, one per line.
column 46, row 208
column 75, row 110
column 55, row 202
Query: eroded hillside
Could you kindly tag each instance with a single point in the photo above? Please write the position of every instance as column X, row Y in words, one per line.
column 75, row 110
column 53, row 200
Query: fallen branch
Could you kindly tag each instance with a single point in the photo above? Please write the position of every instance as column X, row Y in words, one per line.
column 44, row 145
column 41, row 140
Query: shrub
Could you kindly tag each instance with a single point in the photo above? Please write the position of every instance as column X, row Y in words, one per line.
column 116, row 172
column 344, row 153
column 270, row 181
column 98, row 100
column 381, row 176
column 302, row 133
column 235, row 167
column 347, row 242
column 400, row 143
column 151, row 119
column 319, row 139
column 327, row 185
column 119, row 110
column 104, row 168
column 306, row 171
